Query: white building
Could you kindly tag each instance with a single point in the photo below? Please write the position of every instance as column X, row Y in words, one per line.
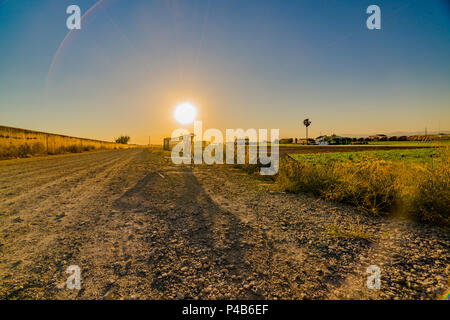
column 321, row 140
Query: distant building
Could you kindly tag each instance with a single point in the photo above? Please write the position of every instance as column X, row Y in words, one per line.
column 304, row 141
column 322, row 140
column 331, row 140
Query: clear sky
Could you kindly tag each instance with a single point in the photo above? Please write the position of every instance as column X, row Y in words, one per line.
column 245, row 63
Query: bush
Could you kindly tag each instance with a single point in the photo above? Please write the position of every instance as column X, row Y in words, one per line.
column 370, row 186
column 24, row 150
column 286, row 141
column 123, row 139
column 38, row 148
column 74, row 148
column 429, row 200
column 295, row 176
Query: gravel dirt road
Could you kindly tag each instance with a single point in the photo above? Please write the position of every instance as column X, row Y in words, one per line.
column 141, row 228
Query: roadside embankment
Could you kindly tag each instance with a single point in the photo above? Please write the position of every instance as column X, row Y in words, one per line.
column 22, row 143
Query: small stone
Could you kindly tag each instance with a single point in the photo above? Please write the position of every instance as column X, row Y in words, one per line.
column 123, row 273
column 108, row 295
column 60, row 286
column 207, row 289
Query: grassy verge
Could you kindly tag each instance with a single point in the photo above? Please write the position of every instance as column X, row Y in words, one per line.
column 418, row 187
column 37, row 149
column 378, row 144
column 412, row 155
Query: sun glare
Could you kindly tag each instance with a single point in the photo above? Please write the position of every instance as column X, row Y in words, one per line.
column 185, row 113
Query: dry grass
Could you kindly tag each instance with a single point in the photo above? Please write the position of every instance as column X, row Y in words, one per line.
column 419, row 190
column 429, row 197
column 352, row 232
column 20, row 143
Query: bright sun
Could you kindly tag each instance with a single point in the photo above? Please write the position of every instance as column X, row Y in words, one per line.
column 185, row 113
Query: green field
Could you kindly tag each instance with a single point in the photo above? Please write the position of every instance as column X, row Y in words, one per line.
column 381, row 143
column 409, row 143
column 412, row 155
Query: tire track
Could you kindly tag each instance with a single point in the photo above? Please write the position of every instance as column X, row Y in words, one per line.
column 57, row 234
column 61, row 163
column 38, row 187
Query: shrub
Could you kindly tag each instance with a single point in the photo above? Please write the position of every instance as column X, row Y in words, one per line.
column 74, row 148
column 429, row 199
column 123, row 139
column 38, row 148
column 295, row 176
column 286, row 141
column 368, row 185
column 24, row 150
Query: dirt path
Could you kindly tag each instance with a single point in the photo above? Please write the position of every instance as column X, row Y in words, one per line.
column 141, row 228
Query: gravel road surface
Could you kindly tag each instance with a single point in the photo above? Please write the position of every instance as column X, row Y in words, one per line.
column 139, row 227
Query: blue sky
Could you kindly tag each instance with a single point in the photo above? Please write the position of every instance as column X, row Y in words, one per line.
column 261, row 64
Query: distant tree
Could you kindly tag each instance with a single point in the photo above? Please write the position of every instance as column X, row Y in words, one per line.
column 286, row 141
column 306, row 123
column 123, row 139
